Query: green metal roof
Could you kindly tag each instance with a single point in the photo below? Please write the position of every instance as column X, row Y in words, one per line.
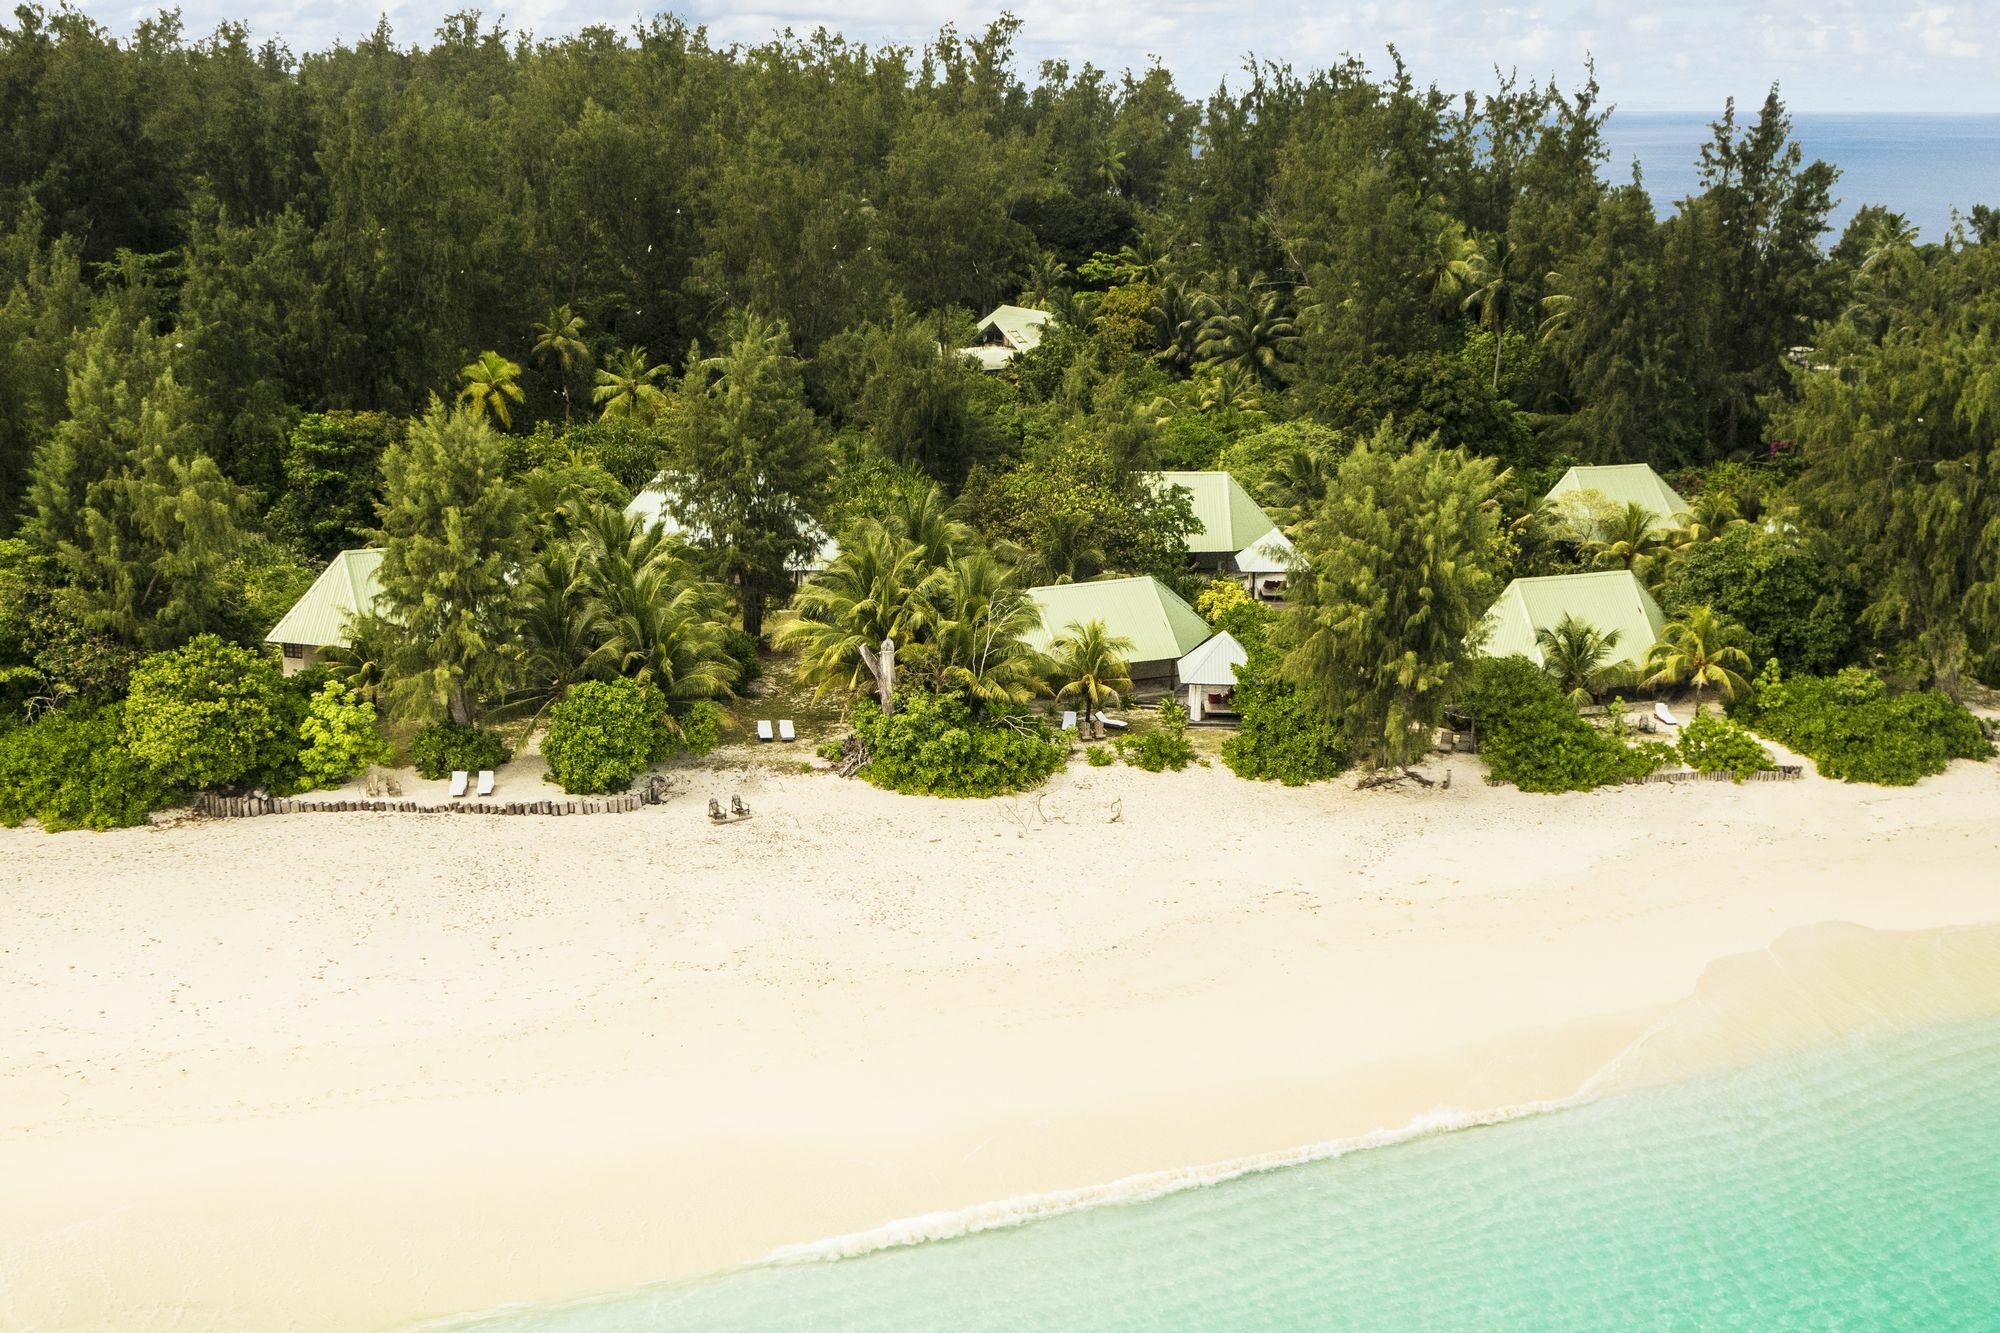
column 1612, row 600
column 1230, row 520
column 1020, row 325
column 1161, row 626
column 1623, row 484
column 345, row 589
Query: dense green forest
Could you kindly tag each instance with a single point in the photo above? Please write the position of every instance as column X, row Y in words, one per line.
column 258, row 307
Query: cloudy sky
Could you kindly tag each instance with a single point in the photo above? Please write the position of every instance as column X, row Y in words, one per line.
column 1830, row 55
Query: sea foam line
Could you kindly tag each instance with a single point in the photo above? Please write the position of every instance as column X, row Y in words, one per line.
column 999, row 1214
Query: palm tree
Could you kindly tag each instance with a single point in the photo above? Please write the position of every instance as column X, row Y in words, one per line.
column 490, row 383
column 1490, row 291
column 1449, row 268
column 1065, row 551
column 1629, row 540
column 559, row 338
column 1297, row 482
column 1045, row 286
column 1091, row 666
column 877, row 588
column 1578, row 658
column 627, row 388
column 1253, row 333
column 1230, row 390
column 652, row 618
column 921, row 514
column 977, row 646
column 1703, row 648
column 556, row 641
column 1178, row 316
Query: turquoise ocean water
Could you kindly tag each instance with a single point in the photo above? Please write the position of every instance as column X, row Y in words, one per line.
column 1851, row 1184
column 1923, row 166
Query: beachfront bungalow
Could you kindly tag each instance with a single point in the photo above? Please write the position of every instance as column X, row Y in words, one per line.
column 650, row 507
column 1608, row 601
column 1005, row 333
column 1163, row 628
column 1262, row 566
column 1207, row 678
column 320, row 620
column 1227, row 521
column 1623, row 484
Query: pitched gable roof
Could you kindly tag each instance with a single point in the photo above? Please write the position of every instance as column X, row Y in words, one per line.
column 1161, row 626
column 1623, row 484
column 346, row 588
column 1613, row 600
column 1214, row 662
column 1230, row 521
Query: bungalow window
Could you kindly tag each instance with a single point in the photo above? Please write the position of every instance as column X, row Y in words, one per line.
column 295, row 650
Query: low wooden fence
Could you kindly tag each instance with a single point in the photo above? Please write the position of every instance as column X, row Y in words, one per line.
column 1782, row 773
column 239, row 807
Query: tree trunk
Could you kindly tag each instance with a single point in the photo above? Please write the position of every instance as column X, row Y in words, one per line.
column 881, row 664
column 459, row 706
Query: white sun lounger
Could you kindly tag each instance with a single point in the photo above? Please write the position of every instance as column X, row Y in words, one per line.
column 1069, row 720
column 458, row 776
column 764, row 730
column 1665, row 714
column 1110, row 722
column 785, row 730
column 485, row 782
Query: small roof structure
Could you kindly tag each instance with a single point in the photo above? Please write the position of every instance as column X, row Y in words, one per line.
column 1230, row 520
column 650, row 507
column 1161, row 626
column 1005, row 333
column 1613, row 600
column 1213, row 665
column 346, row 588
column 1623, row 484
column 1273, row 553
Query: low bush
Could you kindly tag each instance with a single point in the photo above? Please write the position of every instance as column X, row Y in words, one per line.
column 1164, row 749
column 1280, row 736
column 1854, row 729
column 73, row 769
column 700, row 726
column 603, row 734
column 934, row 745
column 443, row 748
column 1531, row 736
column 338, row 737
column 831, row 751
column 212, row 714
column 1711, row 744
column 1099, row 756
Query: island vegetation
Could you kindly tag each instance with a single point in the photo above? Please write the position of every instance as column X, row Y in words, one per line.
column 462, row 301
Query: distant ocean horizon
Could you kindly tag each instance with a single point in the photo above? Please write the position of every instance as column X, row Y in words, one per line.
column 1923, row 166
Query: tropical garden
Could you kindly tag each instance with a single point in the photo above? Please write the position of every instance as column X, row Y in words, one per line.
column 258, row 308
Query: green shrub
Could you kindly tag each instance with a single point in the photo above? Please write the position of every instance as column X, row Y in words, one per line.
column 73, row 769
column 211, row 714
column 1711, row 744
column 831, row 751
column 1164, row 749
column 933, row 745
column 1280, row 736
column 742, row 649
column 338, row 736
column 700, row 726
column 603, row 734
column 1531, row 736
column 1098, row 756
column 1854, row 729
column 443, row 748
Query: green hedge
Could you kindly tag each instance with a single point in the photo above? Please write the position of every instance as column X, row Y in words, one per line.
column 1165, row 749
column 443, row 748
column 72, row 769
column 1854, row 729
column 1711, row 744
column 338, row 737
column 211, row 714
column 1280, row 736
column 933, row 745
column 1531, row 736
column 603, row 734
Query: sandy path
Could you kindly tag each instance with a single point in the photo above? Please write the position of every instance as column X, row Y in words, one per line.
column 356, row 1071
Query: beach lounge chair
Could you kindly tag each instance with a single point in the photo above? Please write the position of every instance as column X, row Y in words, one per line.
column 1110, row 722
column 1069, row 720
column 485, row 782
column 1665, row 714
column 785, row 730
column 764, row 730
column 458, row 776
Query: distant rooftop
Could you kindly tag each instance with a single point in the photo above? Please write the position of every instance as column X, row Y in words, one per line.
column 345, row 589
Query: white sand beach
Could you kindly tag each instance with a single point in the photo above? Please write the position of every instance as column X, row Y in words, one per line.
column 363, row 1071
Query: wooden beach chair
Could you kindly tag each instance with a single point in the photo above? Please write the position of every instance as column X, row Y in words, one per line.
column 764, row 730
column 786, row 732
column 458, row 776
column 485, row 782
